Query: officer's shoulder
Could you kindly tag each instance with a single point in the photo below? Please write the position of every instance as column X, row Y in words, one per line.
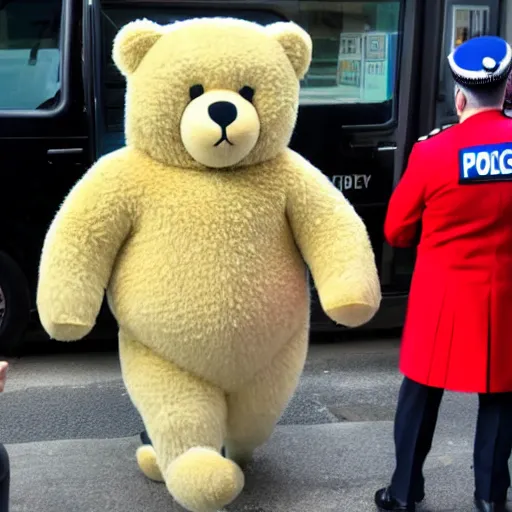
column 436, row 131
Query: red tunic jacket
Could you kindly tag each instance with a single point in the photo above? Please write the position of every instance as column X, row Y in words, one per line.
column 458, row 330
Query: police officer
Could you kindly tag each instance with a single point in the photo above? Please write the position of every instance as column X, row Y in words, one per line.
column 457, row 334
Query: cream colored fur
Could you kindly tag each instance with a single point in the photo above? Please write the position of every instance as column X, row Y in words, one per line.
column 204, row 266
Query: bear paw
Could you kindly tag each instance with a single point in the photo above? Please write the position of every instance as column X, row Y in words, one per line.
column 69, row 330
column 201, row 480
column 146, row 459
column 352, row 315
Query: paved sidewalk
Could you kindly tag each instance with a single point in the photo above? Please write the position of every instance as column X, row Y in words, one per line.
column 312, row 468
column 72, row 433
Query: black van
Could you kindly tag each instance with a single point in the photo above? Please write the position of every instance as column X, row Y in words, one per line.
column 377, row 82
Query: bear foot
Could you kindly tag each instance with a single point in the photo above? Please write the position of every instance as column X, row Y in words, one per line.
column 146, row 459
column 201, row 480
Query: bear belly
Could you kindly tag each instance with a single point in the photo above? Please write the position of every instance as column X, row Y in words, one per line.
column 220, row 311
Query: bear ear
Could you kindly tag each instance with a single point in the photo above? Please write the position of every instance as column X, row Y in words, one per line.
column 133, row 42
column 296, row 43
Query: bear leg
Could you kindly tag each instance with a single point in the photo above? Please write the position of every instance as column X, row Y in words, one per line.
column 185, row 418
column 255, row 409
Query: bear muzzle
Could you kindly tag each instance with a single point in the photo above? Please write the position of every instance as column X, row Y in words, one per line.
column 219, row 128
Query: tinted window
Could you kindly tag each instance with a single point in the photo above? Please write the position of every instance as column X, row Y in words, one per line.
column 462, row 22
column 354, row 50
column 354, row 43
column 354, row 53
column 29, row 54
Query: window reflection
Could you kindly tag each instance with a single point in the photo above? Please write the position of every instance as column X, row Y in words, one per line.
column 469, row 22
column 354, row 50
column 354, row 53
column 354, row 43
column 30, row 54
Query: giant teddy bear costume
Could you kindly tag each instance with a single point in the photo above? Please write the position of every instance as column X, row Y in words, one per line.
column 200, row 230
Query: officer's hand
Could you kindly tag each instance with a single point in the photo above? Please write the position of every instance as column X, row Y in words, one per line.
column 3, row 374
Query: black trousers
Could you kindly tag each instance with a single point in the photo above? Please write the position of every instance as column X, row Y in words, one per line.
column 5, row 476
column 415, row 423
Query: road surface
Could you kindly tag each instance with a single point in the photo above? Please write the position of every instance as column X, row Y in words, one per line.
column 72, row 433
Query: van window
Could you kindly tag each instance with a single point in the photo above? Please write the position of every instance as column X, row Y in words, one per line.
column 354, row 54
column 354, row 43
column 30, row 54
column 354, row 51
column 463, row 21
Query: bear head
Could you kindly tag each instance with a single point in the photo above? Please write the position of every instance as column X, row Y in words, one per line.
column 211, row 92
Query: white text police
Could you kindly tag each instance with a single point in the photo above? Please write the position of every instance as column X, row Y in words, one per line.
column 492, row 162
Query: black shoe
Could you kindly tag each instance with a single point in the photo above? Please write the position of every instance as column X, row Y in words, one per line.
column 385, row 501
column 146, row 440
column 489, row 506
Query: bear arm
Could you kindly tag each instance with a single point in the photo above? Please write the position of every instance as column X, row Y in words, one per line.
column 335, row 245
column 79, row 252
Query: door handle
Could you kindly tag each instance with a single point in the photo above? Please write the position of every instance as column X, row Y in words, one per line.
column 386, row 147
column 65, row 151
column 378, row 146
column 68, row 156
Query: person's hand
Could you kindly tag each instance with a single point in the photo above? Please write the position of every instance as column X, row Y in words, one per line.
column 3, row 374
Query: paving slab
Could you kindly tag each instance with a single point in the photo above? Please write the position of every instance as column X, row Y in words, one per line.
column 303, row 468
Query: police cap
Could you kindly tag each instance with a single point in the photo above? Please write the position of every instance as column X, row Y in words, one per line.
column 480, row 61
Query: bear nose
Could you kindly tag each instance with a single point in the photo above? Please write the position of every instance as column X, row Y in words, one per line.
column 223, row 113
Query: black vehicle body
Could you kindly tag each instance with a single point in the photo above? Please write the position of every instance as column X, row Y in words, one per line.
column 362, row 146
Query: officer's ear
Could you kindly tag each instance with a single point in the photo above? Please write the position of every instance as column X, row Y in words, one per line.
column 460, row 101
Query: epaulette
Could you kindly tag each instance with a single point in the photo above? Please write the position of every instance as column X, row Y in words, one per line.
column 435, row 132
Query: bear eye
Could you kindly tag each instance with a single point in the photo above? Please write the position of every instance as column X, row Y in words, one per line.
column 247, row 92
column 196, row 91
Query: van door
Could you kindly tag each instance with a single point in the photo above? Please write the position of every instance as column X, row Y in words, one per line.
column 355, row 119
column 445, row 24
column 351, row 116
column 43, row 125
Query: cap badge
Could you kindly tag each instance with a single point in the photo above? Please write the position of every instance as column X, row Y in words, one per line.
column 489, row 64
